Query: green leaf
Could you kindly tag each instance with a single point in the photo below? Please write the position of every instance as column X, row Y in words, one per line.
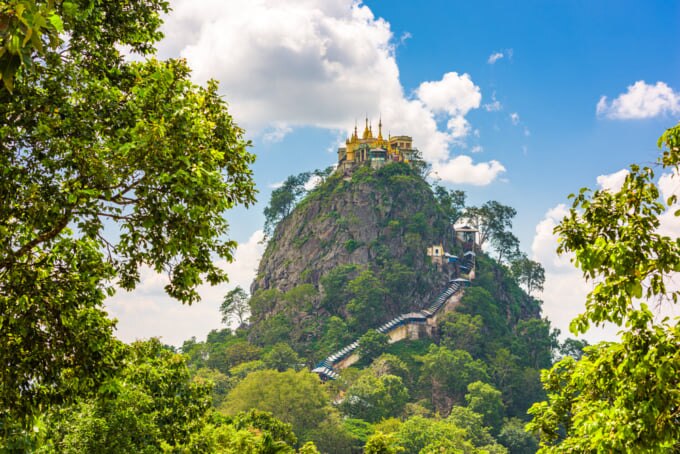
column 56, row 22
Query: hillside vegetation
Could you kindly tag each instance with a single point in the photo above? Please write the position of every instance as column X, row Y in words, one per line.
column 349, row 255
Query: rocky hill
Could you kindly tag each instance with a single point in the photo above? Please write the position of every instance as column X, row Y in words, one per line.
column 368, row 220
column 366, row 236
column 375, row 216
column 352, row 255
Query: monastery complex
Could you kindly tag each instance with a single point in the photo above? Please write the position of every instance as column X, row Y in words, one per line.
column 375, row 150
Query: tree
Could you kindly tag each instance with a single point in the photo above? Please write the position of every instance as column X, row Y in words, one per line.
column 107, row 165
column 252, row 432
column 29, row 29
column 491, row 219
column 461, row 331
column 620, row 396
column 417, row 434
column 309, row 448
column 281, row 357
column 516, row 439
column 486, row 400
column 368, row 296
column 380, row 443
column 477, row 432
column 151, row 403
column 235, row 305
column 283, row 200
column 506, row 245
column 388, row 364
column 296, row 398
column 573, row 347
column 451, row 202
column 335, row 286
column 535, row 342
column 224, row 356
column 266, row 422
column 372, row 398
column 372, row 344
column 528, row 273
column 220, row 383
column 447, row 373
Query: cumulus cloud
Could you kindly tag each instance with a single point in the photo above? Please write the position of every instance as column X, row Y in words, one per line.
column 641, row 100
column 462, row 170
column 285, row 64
column 565, row 290
column 613, row 181
column 148, row 311
column 294, row 62
column 454, row 94
column 514, row 118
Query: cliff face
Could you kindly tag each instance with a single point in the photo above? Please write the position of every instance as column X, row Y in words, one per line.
column 353, row 255
column 381, row 220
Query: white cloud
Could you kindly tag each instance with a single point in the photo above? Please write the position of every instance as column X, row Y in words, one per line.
column 277, row 133
column 641, row 101
column 514, row 118
column 285, row 64
column 458, row 126
column 462, row 170
column 454, row 94
column 493, row 58
column 405, row 37
column 669, row 184
column 149, row 312
column 613, row 181
column 294, row 62
column 565, row 289
column 493, row 106
column 313, row 182
column 477, row 149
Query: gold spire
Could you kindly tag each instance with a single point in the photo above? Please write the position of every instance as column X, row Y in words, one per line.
column 367, row 132
column 380, row 137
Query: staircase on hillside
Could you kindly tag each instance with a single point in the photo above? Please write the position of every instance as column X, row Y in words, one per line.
column 328, row 368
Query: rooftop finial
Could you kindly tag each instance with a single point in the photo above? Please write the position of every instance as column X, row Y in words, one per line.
column 367, row 132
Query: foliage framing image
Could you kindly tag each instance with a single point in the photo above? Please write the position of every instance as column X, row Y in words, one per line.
column 620, row 396
column 107, row 165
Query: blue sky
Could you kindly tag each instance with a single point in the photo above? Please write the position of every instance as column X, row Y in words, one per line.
column 504, row 98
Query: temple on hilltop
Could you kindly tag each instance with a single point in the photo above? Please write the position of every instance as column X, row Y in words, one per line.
column 375, row 150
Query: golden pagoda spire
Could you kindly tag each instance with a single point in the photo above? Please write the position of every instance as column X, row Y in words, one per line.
column 367, row 132
column 380, row 137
